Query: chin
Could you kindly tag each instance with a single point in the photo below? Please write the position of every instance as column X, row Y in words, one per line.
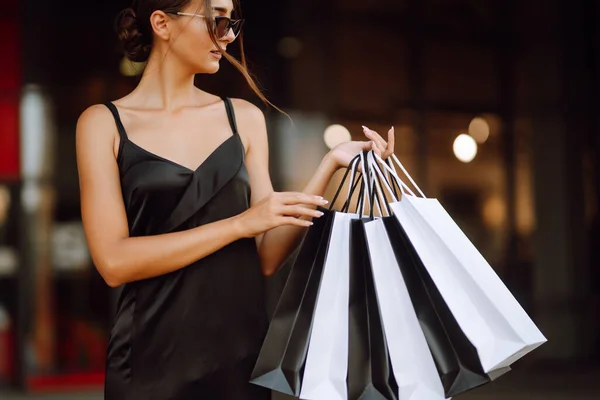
column 211, row 68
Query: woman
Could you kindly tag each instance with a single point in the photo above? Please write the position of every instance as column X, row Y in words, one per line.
column 178, row 207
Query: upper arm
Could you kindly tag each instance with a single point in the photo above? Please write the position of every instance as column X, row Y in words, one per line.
column 102, row 208
column 253, row 130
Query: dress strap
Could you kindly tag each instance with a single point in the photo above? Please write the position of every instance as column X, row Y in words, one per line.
column 120, row 127
column 230, row 114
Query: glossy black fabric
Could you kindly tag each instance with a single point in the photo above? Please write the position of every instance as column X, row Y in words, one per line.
column 174, row 333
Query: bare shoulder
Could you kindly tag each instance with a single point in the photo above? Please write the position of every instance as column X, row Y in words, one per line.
column 96, row 126
column 251, row 122
column 95, row 114
column 248, row 112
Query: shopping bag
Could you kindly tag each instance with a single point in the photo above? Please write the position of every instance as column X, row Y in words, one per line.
column 485, row 310
column 455, row 357
column 369, row 376
column 412, row 363
column 282, row 357
column 283, row 353
column 327, row 359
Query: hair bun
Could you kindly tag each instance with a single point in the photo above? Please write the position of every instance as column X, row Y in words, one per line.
column 136, row 45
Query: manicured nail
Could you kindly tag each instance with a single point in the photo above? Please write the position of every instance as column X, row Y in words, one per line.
column 365, row 128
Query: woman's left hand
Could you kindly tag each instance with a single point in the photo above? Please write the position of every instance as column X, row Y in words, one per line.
column 344, row 153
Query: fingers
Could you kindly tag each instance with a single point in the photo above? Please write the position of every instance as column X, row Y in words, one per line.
column 380, row 146
column 300, row 211
column 296, row 222
column 295, row 198
column 376, row 149
column 374, row 136
column 390, row 144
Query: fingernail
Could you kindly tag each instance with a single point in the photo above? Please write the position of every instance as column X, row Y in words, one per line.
column 320, row 214
column 319, row 197
column 324, row 201
column 365, row 128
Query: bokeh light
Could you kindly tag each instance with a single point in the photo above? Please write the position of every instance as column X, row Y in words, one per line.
column 336, row 134
column 465, row 148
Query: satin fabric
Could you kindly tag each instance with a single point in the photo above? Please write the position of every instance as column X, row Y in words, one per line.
column 175, row 333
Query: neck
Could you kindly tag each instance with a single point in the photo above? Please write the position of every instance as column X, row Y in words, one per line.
column 165, row 83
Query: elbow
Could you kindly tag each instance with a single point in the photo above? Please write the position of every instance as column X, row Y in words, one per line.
column 267, row 266
column 112, row 282
column 268, row 271
column 111, row 272
column 270, row 266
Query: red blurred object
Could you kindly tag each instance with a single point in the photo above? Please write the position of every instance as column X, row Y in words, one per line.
column 9, row 138
column 82, row 343
column 10, row 87
column 83, row 349
column 68, row 382
column 10, row 67
column 7, row 348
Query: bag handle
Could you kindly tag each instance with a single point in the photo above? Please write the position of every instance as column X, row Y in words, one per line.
column 397, row 180
column 376, row 195
column 353, row 183
column 381, row 178
column 356, row 178
column 368, row 195
column 412, row 181
column 393, row 182
column 339, row 189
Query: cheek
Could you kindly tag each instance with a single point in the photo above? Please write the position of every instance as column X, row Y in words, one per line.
column 199, row 41
column 194, row 41
column 199, row 35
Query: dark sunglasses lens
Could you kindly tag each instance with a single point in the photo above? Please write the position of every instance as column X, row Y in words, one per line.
column 225, row 24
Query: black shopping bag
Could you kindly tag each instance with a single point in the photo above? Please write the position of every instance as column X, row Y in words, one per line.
column 455, row 357
column 281, row 359
column 369, row 370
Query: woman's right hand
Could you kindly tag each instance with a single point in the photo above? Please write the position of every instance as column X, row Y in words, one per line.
column 277, row 209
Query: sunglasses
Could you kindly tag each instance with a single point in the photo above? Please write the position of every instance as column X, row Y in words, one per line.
column 222, row 24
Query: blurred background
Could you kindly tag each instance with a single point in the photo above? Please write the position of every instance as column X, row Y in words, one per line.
column 496, row 109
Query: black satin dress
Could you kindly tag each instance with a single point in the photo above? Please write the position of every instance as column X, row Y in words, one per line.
column 194, row 333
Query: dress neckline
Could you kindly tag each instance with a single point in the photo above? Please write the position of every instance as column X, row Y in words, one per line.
column 175, row 163
column 124, row 139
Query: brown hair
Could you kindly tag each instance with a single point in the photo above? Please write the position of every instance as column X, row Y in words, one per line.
column 135, row 33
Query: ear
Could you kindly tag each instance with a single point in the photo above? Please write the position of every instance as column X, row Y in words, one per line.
column 160, row 24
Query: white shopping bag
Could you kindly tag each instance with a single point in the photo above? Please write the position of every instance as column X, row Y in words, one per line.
column 486, row 311
column 326, row 366
column 327, row 358
column 412, row 362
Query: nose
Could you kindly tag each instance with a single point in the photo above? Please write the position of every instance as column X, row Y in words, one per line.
column 229, row 37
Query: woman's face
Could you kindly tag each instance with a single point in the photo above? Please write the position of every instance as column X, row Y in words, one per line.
column 190, row 40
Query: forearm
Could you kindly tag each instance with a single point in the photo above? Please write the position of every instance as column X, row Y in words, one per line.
column 277, row 244
column 137, row 258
